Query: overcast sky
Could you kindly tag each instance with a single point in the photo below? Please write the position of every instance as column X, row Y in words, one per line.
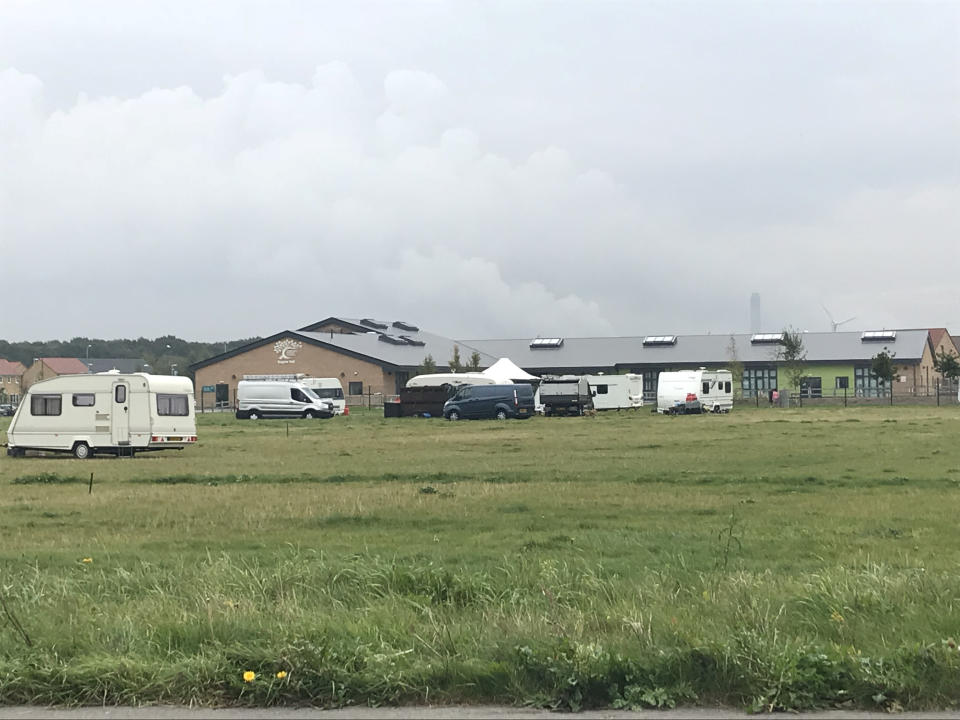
column 217, row 170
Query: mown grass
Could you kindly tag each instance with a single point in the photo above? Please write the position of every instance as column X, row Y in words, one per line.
column 772, row 559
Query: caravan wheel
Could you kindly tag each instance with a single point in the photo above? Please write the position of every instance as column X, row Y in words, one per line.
column 81, row 451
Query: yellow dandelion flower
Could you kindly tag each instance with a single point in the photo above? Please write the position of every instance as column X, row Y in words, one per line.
column 281, row 675
column 249, row 676
column 836, row 617
column 88, row 560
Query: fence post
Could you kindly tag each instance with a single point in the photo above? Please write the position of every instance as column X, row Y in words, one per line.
column 938, row 393
column 844, row 396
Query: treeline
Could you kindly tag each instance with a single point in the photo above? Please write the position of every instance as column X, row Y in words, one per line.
column 160, row 354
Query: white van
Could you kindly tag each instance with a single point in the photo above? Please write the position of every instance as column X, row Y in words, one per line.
column 279, row 398
column 694, row 391
column 328, row 389
column 615, row 392
column 113, row 413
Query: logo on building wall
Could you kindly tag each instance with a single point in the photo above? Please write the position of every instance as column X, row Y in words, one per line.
column 286, row 351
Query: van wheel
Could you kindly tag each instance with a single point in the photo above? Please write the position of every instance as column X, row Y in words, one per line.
column 453, row 415
column 501, row 414
column 81, row 451
column 309, row 415
column 253, row 415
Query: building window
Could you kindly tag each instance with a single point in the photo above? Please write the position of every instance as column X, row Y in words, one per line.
column 45, row 404
column 356, row 388
column 811, row 387
column 866, row 383
column 759, row 381
column 172, row 405
column 84, row 399
column 843, row 382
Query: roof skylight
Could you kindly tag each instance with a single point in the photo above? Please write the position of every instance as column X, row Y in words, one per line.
column 650, row 340
column 538, row 343
column 878, row 336
column 766, row 338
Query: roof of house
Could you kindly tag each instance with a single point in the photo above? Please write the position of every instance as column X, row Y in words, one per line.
column 124, row 365
column 11, row 367
column 65, row 366
column 401, row 349
column 603, row 352
column 404, row 346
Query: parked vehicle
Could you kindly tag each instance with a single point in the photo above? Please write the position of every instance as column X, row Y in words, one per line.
column 114, row 413
column 615, row 392
column 565, row 395
column 490, row 401
column 694, row 391
column 7, row 410
column 328, row 389
column 452, row 379
column 279, row 399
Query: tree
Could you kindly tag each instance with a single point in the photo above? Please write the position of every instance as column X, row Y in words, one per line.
column 474, row 365
column 882, row 366
column 793, row 355
column 428, row 366
column 455, row 364
column 734, row 363
column 947, row 365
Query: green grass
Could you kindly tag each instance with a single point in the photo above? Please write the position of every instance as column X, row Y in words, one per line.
column 775, row 559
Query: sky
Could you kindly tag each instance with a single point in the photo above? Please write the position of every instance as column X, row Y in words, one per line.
column 225, row 169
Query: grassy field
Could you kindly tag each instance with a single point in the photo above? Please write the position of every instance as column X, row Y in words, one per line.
column 773, row 559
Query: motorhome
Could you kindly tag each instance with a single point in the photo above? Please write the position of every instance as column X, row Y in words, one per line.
column 111, row 413
column 695, row 391
column 616, row 392
column 453, row 380
column 328, row 389
column 279, row 399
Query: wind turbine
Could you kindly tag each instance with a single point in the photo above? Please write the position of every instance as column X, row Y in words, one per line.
column 833, row 322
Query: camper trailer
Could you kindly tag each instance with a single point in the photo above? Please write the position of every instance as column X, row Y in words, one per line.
column 616, row 392
column 328, row 389
column 452, row 379
column 565, row 395
column 695, row 391
column 111, row 413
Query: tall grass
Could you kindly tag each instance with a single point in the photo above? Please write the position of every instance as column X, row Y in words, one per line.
column 624, row 560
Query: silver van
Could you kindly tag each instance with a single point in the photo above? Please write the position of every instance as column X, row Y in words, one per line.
column 276, row 398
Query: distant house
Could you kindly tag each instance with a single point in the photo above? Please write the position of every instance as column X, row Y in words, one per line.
column 50, row 367
column 11, row 377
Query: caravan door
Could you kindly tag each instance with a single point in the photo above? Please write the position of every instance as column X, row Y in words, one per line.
column 120, row 414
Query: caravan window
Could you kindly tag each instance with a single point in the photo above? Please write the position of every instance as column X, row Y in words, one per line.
column 172, row 405
column 601, row 389
column 120, row 393
column 706, row 387
column 45, row 404
column 726, row 386
column 84, row 399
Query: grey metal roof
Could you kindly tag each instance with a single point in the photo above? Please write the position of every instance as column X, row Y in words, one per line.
column 369, row 344
column 596, row 352
column 602, row 352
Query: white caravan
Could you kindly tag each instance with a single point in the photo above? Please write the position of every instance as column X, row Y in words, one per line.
column 693, row 391
column 615, row 392
column 279, row 399
column 328, row 389
column 113, row 413
column 454, row 379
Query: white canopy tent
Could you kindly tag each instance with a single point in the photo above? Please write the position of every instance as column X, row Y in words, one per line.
column 505, row 370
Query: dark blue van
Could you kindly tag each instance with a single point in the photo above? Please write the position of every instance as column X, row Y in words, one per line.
column 490, row 401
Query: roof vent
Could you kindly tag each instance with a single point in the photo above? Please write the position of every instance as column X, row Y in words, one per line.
column 540, row 343
column 659, row 340
column 392, row 339
column 374, row 324
column 766, row 339
column 878, row 336
column 406, row 326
